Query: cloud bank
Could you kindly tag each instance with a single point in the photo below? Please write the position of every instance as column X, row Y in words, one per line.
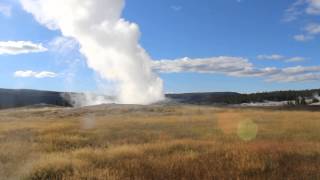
column 109, row 43
column 223, row 64
column 237, row 67
column 20, row 47
column 33, row 74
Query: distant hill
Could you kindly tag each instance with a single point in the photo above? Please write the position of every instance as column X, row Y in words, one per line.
column 205, row 98
column 10, row 98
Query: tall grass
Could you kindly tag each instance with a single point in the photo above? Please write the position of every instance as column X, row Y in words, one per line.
column 159, row 142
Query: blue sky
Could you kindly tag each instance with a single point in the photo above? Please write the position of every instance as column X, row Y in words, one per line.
column 280, row 35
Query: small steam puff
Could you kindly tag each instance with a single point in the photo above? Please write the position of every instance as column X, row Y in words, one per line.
column 109, row 43
column 87, row 99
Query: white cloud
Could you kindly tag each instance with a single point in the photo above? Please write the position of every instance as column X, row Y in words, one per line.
column 313, row 7
column 176, row 8
column 300, row 7
column 271, row 57
column 278, row 57
column 255, row 72
column 33, row 74
column 301, row 70
column 294, row 11
column 20, row 47
column 238, row 67
column 5, row 9
column 232, row 66
column 303, row 37
column 295, row 74
column 295, row 78
column 296, row 59
column 313, row 29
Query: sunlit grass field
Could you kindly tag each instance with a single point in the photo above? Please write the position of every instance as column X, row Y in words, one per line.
column 159, row 142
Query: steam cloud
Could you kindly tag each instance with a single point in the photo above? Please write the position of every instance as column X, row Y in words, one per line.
column 109, row 43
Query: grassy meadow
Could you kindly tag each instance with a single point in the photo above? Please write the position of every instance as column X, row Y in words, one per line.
column 158, row 142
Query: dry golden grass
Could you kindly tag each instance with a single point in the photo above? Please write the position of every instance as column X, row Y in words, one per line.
column 158, row 142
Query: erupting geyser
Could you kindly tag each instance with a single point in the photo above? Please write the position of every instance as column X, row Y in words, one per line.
column 109, row 43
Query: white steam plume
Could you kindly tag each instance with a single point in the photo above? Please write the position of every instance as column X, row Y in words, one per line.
column 109, row 43
column 316, row 96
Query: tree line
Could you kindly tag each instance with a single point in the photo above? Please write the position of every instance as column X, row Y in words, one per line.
column 301, row 97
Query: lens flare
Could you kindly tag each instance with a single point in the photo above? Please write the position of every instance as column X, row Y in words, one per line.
column 247, row 130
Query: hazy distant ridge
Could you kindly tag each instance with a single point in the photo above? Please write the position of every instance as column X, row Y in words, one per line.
column 10, row 98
